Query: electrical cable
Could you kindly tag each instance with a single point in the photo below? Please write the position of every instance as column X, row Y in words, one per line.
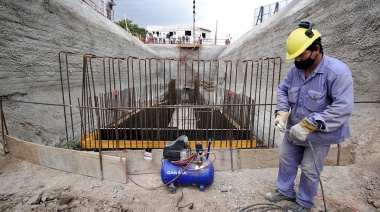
column 191, row 204
column 319, row 177
column 179, row 200
column 264, row 206
column 273, row 206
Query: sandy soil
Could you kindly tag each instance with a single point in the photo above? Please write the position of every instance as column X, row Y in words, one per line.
column 28, row 187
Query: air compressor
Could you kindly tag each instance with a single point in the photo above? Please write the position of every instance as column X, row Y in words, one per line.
column 181, row 167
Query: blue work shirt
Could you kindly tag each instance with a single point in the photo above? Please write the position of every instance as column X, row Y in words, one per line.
column 326, row 98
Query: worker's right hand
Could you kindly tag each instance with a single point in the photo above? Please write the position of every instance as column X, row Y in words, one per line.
column 279, row 122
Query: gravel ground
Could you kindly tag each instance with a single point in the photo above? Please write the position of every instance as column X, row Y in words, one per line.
column 29, row 187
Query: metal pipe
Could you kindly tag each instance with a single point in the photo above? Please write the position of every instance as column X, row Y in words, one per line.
column 63, row 96
column 2, row 125
column 99, row 140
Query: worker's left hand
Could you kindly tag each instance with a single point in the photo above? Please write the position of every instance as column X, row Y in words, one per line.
column 302, row 129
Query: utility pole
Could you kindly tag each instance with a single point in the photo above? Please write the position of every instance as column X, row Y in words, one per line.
column 216, row 31
column 126, row 25
column 194, row 21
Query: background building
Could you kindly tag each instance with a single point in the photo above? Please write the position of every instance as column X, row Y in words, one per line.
column 179, row 31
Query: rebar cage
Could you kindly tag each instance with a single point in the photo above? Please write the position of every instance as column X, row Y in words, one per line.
column 128, row 102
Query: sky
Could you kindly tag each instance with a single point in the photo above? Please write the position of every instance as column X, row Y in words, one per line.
column 233, row 17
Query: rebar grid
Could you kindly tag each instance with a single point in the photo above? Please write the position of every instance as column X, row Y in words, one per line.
column 145, row 103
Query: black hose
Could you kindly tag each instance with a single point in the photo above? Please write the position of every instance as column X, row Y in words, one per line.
column 191, row 205
column 263, row 206
column 266, row 207
column 319, row 177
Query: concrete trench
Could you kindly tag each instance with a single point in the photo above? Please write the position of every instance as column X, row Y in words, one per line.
column 39, row 31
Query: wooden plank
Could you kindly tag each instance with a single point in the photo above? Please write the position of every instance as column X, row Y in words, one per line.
column 87, row 163
column 133, row 144
column 23, row 150
column 258, row 158
column 84, row 163
column 332, row 157
column 268, row 158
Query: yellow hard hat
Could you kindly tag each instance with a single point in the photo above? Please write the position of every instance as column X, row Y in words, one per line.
column 299, row 40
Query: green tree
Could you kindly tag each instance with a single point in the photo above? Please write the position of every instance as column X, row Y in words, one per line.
column 133, row 28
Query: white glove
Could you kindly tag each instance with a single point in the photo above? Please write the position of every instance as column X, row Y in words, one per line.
column 302, row 129
column 279, row 122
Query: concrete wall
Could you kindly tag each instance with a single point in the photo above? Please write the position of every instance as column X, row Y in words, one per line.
column 351, row 37
column 350, row 32
column 88, row 163
column 33, row 33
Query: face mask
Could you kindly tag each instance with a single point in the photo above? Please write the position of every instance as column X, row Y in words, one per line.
column 304, row 64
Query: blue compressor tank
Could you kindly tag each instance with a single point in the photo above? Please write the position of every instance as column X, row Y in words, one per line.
column 202, row 177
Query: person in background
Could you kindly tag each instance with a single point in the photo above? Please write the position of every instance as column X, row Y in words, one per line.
column 155, row 40
column 163, row 38
column 228, row 39
column 316, row 100
column 173, row 39
column 147, row 37
column 159, row 37
column 168, row 37
column 227, row 42
column 109, row 8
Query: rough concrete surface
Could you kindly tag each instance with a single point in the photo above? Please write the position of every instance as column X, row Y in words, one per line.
column 34, row 32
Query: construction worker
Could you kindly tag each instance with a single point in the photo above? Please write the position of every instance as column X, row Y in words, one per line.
column 318, row 93
column 109, row 7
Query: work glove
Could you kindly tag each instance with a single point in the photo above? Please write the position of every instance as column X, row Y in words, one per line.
column 279, row 122
column 302, row 129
